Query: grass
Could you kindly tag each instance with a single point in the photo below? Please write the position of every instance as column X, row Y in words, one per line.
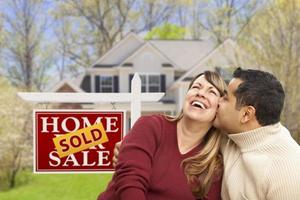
column 57, row 186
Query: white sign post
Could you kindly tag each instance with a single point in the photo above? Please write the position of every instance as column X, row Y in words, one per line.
column 136, row 97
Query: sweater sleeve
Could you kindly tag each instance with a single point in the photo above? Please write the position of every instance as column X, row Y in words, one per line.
column 138, row 148
column 284, row 180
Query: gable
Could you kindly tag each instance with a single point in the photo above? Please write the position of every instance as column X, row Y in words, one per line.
column 226, row 55
column 120, row 51
column 185, row 53
column 148, row 59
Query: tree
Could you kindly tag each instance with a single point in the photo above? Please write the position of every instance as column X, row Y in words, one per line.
column 167, row 32
column 64, row 64
column 152, row 13
column 272, row 38
column 87, row 29
column 26, row 55
column 15, row 131
column 221, row 19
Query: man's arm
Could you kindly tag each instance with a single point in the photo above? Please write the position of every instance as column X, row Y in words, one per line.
column 284, row 180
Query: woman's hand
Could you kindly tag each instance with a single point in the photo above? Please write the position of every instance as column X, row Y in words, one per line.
column 116, row 153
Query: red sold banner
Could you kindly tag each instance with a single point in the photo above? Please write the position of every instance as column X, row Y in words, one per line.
column 76, row 140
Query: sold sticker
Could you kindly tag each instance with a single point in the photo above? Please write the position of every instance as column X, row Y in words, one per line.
column 80, row 140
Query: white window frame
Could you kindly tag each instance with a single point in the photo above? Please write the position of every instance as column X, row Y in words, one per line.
column 147, row 85
column 102, row 86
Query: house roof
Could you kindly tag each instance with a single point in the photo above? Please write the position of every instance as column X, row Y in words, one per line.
column 221, row 55
column 103, row 65
column 120, row 51
column 184, row 53
column 169, row 63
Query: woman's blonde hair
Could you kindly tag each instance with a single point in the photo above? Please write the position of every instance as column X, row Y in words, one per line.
column 202, row 168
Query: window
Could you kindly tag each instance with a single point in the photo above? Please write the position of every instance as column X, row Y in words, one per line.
column 104, row 84
column 154, row 83
column 150, row 83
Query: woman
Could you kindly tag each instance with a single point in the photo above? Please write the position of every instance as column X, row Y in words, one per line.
column 173, row 158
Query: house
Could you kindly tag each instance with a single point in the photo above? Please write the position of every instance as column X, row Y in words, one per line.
column 163, row 65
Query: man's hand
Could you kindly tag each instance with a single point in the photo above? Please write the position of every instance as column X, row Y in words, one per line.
column 116, row 153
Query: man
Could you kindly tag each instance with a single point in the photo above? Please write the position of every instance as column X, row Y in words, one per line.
column 261, row 160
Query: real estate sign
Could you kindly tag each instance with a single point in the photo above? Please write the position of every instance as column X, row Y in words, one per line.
column 76, row 140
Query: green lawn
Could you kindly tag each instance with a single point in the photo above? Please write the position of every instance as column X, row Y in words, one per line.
column 58, row 186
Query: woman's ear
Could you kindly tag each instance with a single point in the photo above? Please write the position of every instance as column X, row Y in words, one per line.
column 248, row 114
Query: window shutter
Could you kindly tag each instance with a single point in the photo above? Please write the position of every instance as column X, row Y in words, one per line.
column 163, row 83
column 130, row 78
column 97, row 83
column 116, row 84
column 86, row 83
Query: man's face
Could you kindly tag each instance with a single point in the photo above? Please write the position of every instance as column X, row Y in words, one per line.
column 228, row 117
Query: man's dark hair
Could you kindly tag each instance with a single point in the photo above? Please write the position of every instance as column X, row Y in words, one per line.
column 261, row 90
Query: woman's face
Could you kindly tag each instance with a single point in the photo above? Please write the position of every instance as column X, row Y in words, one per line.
column 201, row 101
